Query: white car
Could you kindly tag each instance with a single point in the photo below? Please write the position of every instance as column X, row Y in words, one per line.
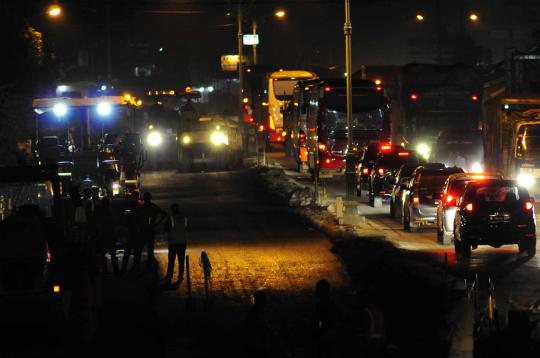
column 446, row 209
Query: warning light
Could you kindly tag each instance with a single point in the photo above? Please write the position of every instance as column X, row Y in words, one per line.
column 56, row 288
column 474, row 98
column 378, row 82
column 414, row 97
column 261, row 128
column 188, row 89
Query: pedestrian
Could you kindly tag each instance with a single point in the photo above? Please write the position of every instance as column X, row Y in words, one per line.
column 134, row 241
column 106, row 238
column 326, row 320
column 150, row 217
column 176, row 227
column 373, row 326
column 256, row 327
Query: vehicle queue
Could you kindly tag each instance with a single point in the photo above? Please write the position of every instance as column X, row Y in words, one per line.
column 467, row 209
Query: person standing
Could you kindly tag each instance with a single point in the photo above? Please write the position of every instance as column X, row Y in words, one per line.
column 106, row 239
column 326, row 321
column 177, row 232
column 150, row 217
column 133, row 240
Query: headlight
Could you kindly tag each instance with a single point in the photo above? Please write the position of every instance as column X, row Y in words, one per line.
column 154, row 139
column 525, row 179
column 186, row 139
column 116, row 186
column 218, row 138
column 424, row 150
column 477, row 168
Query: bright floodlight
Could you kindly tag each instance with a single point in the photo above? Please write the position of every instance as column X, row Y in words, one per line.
column 103, row 87
column 424, row 150
column 104, row 109
column 154, row 139
column 218, row 138
column 477, row 167
column 525, row 179
column 60, row 109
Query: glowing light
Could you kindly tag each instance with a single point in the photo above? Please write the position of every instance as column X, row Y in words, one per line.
column 56, row 288
column 219, row 138
column 414, row 96
column 416, row 200
column 474, row 98
column 280, row 14
column 473, row 17
column 477, row 168
column 150, row 127
column 424, row 150
column 327, row 89
column 139, row 103
column 60, row 109
column 103, row 87
column 245, row 100
column 529, row 205
column 469, row 207
column 127, row 97
column 525, row 179
column 378, row 82
column 154, row 139
column 210, row 89
column 186, row 139
column 103, row 109
column 419, row 17
column 54, row 11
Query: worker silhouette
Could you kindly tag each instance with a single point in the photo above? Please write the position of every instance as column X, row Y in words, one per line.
column 326, row 321
column 150, row 216
column 134, row 241
column 256, row 327
column 176, row 227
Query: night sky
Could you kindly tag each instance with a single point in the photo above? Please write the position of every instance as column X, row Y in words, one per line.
column 195, row 33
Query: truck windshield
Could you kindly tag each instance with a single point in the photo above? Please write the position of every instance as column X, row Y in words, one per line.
column 283, row 89
column 528, row 145
column 13, row 196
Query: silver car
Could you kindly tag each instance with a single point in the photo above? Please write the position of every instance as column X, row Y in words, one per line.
column 423, row 196
column 446, row 210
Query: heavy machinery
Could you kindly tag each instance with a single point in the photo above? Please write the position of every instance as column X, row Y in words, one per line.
column 210, row 141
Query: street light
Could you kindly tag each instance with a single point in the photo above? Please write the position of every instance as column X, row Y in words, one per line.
column 280, row 14
column 419, row 17
column 473, row 17
column 54, row 10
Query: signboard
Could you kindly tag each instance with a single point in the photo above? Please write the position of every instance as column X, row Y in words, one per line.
column 230, row 62
column 250, row 40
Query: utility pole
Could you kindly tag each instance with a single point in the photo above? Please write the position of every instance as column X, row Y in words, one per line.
column 254, row 42
column 108, row 40
column 350, row 160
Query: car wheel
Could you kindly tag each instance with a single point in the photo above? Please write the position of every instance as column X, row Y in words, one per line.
column 531, row 249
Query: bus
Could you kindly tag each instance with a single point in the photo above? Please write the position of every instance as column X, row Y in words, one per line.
column 280, row 91
column 319, row 122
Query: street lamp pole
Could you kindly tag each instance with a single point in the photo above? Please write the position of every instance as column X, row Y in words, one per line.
column 254, row 42
column 240, row 65
column 350, row 172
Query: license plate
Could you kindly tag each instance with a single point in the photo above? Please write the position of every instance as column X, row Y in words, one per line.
column 499, row 218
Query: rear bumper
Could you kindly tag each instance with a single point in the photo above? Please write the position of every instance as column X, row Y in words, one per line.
column 424, row 215
column 497, row 237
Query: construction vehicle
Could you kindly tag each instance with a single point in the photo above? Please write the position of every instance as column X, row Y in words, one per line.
column 210, row 141
column 511, row 120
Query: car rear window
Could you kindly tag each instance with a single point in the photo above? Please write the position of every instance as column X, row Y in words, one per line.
column 431, row 181
column 394, row 160
column 498, row 194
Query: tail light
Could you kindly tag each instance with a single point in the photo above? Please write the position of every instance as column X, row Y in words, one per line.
column 385, row 147
column 529, row 206
column 261, row 128
column 469, row 207
column 284, row 134
column 327, row 161
column 474, row 98
column 403, row 154
column 414, row 97
column 450, row 200
column 415, row 200
column 380, row 171
column 378, row 88
column 327, row 89
column 302, row 137
column 365, row 171
column 322, row 146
